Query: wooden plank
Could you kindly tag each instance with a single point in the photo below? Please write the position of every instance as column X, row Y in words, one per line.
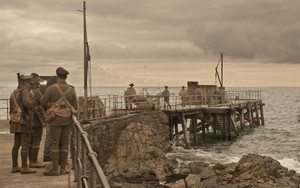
column 185, row 132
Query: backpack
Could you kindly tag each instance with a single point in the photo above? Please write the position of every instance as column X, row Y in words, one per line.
column 61, row 108
column 16, row 113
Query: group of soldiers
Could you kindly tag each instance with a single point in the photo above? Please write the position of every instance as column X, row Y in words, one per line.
column 31, row 110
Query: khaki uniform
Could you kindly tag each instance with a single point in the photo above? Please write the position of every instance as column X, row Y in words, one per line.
column 60, row 127
column 37, row 130
column 166, row 94
column 184, row 96
column 129, row 95
column 22, row 135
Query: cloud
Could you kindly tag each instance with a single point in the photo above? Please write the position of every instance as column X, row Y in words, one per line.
column 42, row 35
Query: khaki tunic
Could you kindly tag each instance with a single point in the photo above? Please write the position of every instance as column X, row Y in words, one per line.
column 52, row 95
column 183, row 93
column 28, row 103
column 166, row 94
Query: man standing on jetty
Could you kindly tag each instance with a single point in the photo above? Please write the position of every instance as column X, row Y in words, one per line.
column 21, row 103
column 184, row 96
column 129, row 95
column 38, row 123
column 166, row 94
column 61, row 101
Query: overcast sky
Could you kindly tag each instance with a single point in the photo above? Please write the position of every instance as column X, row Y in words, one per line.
column 154, row 43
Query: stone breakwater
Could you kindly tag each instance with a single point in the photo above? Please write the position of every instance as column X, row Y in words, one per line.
column 132, row 152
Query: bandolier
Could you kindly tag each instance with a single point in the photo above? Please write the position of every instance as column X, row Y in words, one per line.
column 61, row 102
column 38, row 123
column 21, row 103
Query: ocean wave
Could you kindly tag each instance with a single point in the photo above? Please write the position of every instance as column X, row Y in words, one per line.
column 291, row 164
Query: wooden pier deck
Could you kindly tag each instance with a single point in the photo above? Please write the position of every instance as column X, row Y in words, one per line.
column 228, row 118
column 37, row 180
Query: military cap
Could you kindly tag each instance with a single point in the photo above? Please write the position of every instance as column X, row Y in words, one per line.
column 25, row 77
column 36, row 78
column 166, row 86
column 61, row 71
column 131, row 84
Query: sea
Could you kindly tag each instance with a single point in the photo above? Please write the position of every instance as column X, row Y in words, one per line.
column 279, row 138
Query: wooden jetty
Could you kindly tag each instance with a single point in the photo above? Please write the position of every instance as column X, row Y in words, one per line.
column 228, row 118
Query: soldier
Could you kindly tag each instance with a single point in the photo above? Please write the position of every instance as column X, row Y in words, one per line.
column 198, row 95
column 63, row 103
column 47, row 145
column 21, row 102
column 166, row 94
column 129, row 96
column 38, row 123
column 184, row 96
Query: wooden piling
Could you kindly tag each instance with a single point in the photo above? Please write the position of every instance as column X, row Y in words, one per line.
column 262, row 114
column 185, row 132
column 249, row 112
column 242, row 118
column 171, row 126
column 176, row 132
column 257, row 114
column 229, row 124
column 224, row 126
column 194, row 126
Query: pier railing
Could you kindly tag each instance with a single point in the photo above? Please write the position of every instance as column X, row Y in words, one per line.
column 4, row 106
column 118, row 105
column 81, row 150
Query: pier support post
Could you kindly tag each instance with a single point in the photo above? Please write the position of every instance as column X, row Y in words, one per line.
column 185, row 132
column 176, row 132
column 194, row 126
column 224, row 126
column 230, row 114
column 242, row 118
column 249, row 112
column 262, row 114
column 171, row 126
column 257, row 114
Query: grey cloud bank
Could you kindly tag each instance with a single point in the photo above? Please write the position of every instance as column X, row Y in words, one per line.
column 41, row 35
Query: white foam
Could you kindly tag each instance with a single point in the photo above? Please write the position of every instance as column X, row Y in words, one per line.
column 291, row 164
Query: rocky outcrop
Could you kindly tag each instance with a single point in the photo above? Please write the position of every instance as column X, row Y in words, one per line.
column 251, row 171
column 132, row 149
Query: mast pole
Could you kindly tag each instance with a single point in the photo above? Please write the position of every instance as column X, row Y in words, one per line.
column 222, row 83
column 85, row 113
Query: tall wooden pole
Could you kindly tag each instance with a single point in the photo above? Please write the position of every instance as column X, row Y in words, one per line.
column 85, row 113
column 222, row 69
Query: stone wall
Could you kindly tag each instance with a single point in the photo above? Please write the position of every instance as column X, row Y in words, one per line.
column 131, row 148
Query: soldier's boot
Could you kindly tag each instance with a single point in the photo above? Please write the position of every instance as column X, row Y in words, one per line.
column 15, row 167
column 63, row 162
column 54, row 171
column 25, row 169
column 34, row 162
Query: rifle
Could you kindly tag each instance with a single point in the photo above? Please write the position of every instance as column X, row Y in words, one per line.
column 35, row 110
